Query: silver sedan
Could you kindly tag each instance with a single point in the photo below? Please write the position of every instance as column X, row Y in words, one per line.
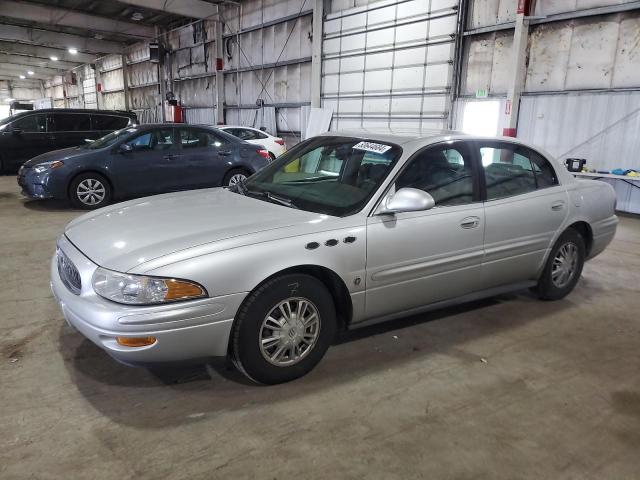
column 343, row 230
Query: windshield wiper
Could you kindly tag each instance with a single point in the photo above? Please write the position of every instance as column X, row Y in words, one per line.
column 282, row 201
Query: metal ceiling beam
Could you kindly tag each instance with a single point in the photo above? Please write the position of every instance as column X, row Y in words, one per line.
column 185, row 8
column 15, row 76
column 13, row 33
column 18, row 83
column 45, row 52
column 36, row 62
column 60, row 17
column 12, row 68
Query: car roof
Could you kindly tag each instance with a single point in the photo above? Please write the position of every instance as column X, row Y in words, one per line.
column 222, row 127
column 79, row 110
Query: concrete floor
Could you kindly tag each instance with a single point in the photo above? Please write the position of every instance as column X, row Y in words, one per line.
column 509, row 388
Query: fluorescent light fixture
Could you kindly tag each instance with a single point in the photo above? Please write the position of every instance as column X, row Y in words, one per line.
column 22, row 77
column 54, row 58
column 72, row 50
column 30, row 72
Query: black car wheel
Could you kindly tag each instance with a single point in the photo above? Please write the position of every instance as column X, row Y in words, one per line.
column 90, row 191
column 283, row 329
column 234, row 176
column 563, row 268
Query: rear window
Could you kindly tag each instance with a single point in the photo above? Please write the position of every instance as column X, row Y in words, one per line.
column 109, row 122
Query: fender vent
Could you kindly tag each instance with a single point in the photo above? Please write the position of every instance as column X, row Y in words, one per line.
column 312, row 245
column 349, row 239
column 332, row 242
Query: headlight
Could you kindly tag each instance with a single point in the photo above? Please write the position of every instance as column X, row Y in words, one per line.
column 43, row 167
column 143, row 290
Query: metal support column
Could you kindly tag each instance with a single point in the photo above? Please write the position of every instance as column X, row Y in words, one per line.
column 316, row 53
column 219, row 73
column 517, row 73
column 125, row 81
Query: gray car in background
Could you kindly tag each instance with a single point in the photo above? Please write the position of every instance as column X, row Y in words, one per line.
column 141, row 160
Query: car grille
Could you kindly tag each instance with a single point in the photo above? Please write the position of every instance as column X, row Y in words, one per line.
column 68, row 273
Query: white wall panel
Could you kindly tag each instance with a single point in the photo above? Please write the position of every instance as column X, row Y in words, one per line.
column 601, row 127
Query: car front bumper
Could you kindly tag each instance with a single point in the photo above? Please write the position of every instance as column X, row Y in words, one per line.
column 34, row 185
column 195, row 329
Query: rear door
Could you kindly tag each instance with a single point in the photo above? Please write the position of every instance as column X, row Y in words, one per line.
column 203, row 157
column 25, row 138
column 418, row 258
column 70, row 129
column 524, row 208
column 150, row 166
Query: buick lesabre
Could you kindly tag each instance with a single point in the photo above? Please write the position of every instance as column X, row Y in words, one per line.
column 343, row 230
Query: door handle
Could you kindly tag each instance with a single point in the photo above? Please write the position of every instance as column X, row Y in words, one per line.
column 559, row 205
column 470, row 222
column 224, row 153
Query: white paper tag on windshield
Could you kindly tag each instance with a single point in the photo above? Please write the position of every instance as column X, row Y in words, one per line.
column 372, row 147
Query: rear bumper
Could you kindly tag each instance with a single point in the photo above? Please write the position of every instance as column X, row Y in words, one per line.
column 183, row 331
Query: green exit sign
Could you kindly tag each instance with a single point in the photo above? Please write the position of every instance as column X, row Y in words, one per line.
column 482, row 93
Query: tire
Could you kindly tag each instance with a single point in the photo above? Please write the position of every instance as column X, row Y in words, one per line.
column 233, row 176
column 557, row 282
column 260, row 311
column 272, row 156
column 96, row 188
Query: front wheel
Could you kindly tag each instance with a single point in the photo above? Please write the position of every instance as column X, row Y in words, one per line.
column 563, row 268
column 90, row 191
column 283, row 329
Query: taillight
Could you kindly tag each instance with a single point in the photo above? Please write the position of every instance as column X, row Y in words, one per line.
column 279, row 141
column 264, row 153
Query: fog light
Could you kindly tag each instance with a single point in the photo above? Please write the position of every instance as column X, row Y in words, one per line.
column 136, row 341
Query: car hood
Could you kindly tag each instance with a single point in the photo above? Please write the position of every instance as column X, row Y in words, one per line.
column 124, row 236
column 64, row 154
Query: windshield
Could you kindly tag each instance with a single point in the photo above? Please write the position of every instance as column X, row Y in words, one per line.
column 331, row 175
column 110, row 139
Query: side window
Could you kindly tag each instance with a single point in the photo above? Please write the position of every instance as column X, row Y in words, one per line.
column 108, row 122
column 31, row 123
column 443, row 172
column 71, row 122
column 191, row 138
column 246, row 134
column 545, row 174
column 260, row 135
column 153, row 140
column 507, row 171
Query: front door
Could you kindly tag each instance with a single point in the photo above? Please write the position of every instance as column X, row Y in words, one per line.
column 25, row 138
column 418, row 258
column 150, row 167
column 525, row 206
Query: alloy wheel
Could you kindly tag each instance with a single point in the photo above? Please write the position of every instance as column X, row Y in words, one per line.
column 564, row 265
column 237, row 178
column 289, row 331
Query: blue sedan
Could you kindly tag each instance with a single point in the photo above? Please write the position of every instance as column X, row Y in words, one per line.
column 141, row 160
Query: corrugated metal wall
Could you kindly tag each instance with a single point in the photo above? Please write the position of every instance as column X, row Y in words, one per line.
column 601, row 127
column 267, row 40
column 389, row 63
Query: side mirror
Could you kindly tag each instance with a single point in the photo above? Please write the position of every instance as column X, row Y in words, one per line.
column 263, row 129
column 88, row 140
column 125, row 148
column 407, row 200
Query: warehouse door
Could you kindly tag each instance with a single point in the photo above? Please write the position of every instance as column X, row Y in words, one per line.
column 389, row 65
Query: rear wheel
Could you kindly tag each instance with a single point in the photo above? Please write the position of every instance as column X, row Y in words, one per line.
column 272, row 156
column 90, row 191
column 563, row 268
column 283, row 329
column 234, row 176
